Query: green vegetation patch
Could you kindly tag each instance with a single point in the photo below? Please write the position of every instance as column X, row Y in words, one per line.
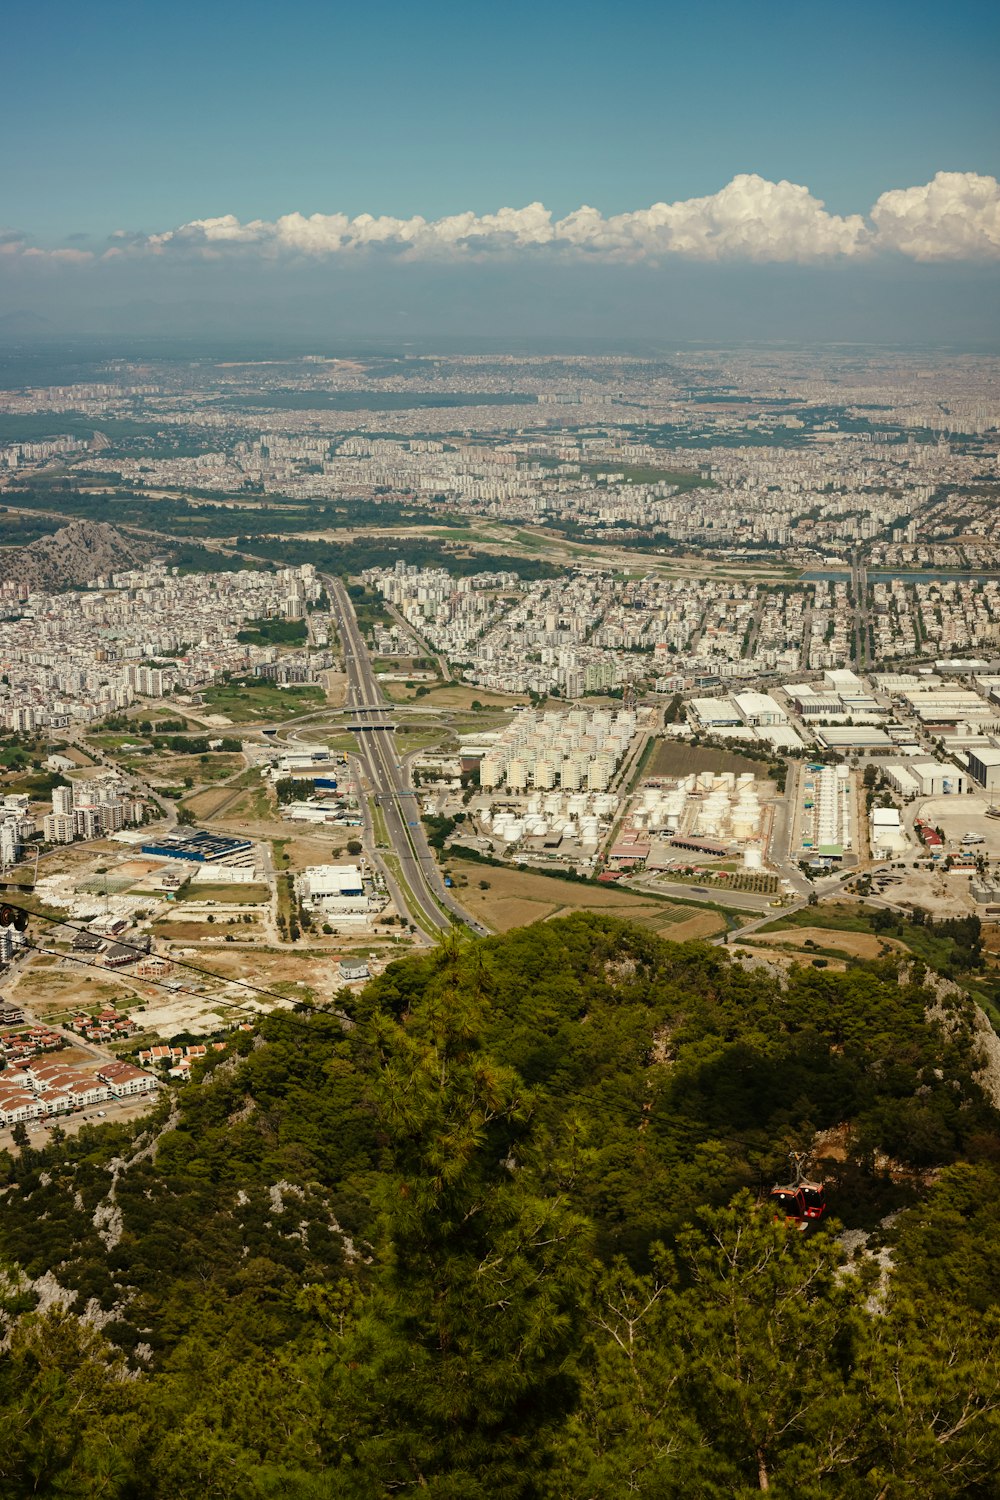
column 531, row 1170
column 273, row 632
column 683, row 479
column 227, row 894
column 253, row 700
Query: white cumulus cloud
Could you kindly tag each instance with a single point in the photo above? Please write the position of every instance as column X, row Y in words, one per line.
column 749, row 219
column 956, row 216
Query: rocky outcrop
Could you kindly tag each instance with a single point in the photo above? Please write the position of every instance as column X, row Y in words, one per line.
column 76, row 554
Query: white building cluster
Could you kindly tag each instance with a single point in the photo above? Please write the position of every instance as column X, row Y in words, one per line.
column 450, row 612
column 828, row 810
column 90, row 809
column 43, row 1087
column 16, row 825
column 76, row 657
column 575, row 750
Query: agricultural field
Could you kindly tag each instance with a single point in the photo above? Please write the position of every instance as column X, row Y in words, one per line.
column 514, row 898
column 227, row 893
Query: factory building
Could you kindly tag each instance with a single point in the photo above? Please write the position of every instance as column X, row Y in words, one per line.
column 984, row 767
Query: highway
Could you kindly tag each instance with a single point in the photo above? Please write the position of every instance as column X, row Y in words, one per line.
column 859, row 586
column 390, row 783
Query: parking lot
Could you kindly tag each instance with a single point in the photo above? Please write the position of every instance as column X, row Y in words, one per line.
column 108, row 1112
column 957, row 816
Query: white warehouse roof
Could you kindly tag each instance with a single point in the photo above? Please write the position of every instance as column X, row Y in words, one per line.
column 333, row 880
column 714, row 710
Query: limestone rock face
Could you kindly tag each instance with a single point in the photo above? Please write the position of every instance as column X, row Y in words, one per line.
column 77, row 553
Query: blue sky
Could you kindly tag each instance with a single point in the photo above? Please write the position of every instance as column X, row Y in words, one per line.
column 232, row 147
column 147, row 115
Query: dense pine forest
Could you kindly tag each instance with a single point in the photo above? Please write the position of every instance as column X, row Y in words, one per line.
column 505, row 1232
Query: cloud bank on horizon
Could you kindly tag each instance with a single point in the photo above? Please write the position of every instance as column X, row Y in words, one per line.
column 954, row 217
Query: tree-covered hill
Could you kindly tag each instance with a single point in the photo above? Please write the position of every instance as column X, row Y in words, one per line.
column 506, row 1234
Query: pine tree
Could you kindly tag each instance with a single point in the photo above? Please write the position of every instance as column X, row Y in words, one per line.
column 729, row 1370
column 485, row 1261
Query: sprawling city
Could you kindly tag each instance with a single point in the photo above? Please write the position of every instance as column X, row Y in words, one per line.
column 500, row 753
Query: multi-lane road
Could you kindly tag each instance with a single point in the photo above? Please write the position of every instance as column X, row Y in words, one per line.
column 390, row 783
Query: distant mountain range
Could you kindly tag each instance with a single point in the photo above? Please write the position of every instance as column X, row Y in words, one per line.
column 75, row 554
column 23, row 322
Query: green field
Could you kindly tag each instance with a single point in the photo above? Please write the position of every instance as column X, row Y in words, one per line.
column 228, row 895
column 250, row 703
column 684, row 479
column 839, row 918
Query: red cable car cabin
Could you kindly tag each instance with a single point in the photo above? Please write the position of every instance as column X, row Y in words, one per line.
column 790, row 1203
column 814, row 1194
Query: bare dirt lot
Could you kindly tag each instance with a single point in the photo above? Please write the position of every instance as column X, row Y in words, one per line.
column 857, row 944
column 170, row 770
column 135, row 869
column 678, row 758
column 237, row 894
column 941, row 893
column 49, row 992
column 204, row 805
column 515, row 899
